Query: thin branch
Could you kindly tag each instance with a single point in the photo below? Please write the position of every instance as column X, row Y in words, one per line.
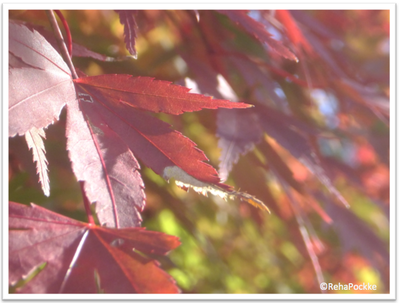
column 61, row 42
column 67, row 31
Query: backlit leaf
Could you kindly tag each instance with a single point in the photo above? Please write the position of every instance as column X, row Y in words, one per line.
column 42, row 89
column 151, row 95
column 110, row 171
column 35, row 142
column 167, row 152
column 74, row 251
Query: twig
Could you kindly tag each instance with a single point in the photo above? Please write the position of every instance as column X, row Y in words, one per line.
column 67, row 31
column 61, row 42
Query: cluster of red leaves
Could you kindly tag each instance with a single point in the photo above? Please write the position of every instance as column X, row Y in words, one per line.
column 108, row 127
column 281, row 90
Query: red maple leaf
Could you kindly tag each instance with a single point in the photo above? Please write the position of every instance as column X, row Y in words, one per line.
column 42, row 87
column 83, row 258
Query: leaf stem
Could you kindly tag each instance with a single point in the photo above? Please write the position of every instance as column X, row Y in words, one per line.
column 61, row 42
column 87, row 204
column 67, row 31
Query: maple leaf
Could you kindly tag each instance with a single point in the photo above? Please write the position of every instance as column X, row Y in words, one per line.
column 110, row 171
column 35, row 142
column 149, row 94
column 127, row 19
column 114, row 100
column 239, row 131
column 74, row 253
column 41, row 89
